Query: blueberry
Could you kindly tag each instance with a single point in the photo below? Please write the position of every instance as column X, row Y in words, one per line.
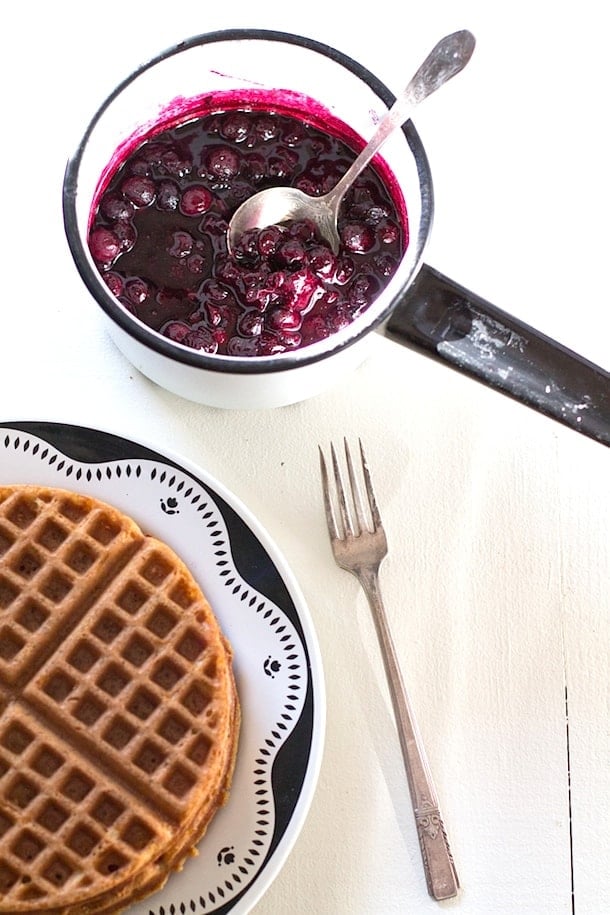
column 309, row 185
column 235, row 126
column 322, row 261
column 301, row 289
column 114, row 283
column 375, row 214
column 293, row 134
column 214, row 291
column 285, row 288
column 152, row 152
column 175, row 164
column 304, row 230
column 140, row 190
column 250, row 324
column 243, row 346
column 168, row 195
column 255, row 166
column 288, row 340
column 115, row 206
column 362, row 291
column 228, row 271
column 126, row 234
column 291, row 253
column 223, row 162
column 139, row 168
column 285, row 319
column 137, row 290
column 344, row 271
column 268, row 240
column 221, row 315
column 220, row 336
column 270, row 344
column 283, row 164
column 176, row 331
column 195, row 263
column 357, row 237
column 201, row 339
column 215, row 315
column 104, row 246
column 196, row 200
column 266, row 128
column 246, row 250
column 388, row 233
column 385, row 264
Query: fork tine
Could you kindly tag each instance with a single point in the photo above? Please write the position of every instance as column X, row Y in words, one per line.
column 375, row 514
column 356, row 494
column 346, row 519
column 328, row 508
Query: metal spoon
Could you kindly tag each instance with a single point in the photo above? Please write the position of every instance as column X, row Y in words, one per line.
column 276, row 205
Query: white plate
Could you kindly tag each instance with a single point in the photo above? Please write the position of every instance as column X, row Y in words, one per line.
column 261, row 610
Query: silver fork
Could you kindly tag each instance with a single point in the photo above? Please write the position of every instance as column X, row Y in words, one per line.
column 359, row 544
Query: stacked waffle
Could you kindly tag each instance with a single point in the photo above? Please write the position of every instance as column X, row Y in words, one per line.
column 118, row 711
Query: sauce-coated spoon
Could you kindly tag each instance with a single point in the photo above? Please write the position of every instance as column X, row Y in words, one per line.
column 276, row 205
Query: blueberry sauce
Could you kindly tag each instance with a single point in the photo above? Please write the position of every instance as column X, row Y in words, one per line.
column 158, row 231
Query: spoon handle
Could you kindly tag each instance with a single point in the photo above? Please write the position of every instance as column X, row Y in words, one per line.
column 446, row 59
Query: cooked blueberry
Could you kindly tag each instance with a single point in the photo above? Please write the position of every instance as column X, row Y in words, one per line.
column 175, row 164
column 284, row 319
column 201, row 339
column 357, row 237
column 126, row 233
column 268, row 240
column 243, row 346
column 283, row 164
column 176, row 331
column 223, row 162
column 137, row 290
column 388, row 233
column 196, row 200
column 291, row 253
column 114, row 283
column 255, row 166
column 140, row 190
column 235, row 126
column 322, row 261
column 196, row 263
column 266, row 128
column 115, row 206
column 104, row 246
column 168, row 195
column 250, row 324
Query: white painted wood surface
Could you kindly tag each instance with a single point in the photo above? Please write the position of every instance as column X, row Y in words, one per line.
column 499, row 566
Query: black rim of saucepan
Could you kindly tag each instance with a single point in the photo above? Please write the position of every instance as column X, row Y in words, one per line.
column 235, row 364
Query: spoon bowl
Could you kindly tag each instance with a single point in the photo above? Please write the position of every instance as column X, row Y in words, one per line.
column 277, row 205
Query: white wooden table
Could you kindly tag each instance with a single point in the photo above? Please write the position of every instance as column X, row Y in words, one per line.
column 497, row 578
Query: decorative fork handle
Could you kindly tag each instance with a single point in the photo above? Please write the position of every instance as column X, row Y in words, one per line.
column 441, row 875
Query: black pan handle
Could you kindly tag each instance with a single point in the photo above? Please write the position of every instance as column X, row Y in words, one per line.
column 447, row 322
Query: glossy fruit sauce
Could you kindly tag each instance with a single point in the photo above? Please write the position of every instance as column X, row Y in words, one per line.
column 158, row 231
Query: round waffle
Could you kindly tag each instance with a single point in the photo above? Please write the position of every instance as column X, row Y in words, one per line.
column 119, row 717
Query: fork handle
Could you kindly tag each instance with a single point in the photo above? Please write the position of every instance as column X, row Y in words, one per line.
column 441, row 875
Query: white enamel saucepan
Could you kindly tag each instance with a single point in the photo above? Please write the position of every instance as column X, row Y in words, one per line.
column 420, row 307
